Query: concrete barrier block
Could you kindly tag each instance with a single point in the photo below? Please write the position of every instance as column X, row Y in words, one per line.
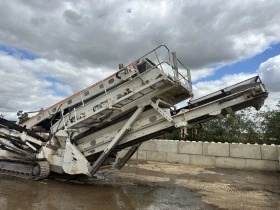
column 278, row 148
column 141, row 155
column 216, row 149
column 134, row 157
column 202, row 160
column 157, row 156
column 178, row 158
column 227, row 162
column 278, row 153
column 188, row 147
column 262, row 165
column 148, row 145
column 166, row 146
column 160, row 146
column 245, row 151
column 269, row 152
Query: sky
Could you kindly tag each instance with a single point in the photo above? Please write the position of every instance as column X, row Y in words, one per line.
column 51, row 49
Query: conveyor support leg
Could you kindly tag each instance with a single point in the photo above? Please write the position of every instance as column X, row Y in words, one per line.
column 127, row 156
column 115, row 141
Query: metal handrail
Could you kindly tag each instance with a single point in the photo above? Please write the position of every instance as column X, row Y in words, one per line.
column 188, row 79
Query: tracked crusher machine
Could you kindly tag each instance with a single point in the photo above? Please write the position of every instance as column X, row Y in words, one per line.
column 84, row 133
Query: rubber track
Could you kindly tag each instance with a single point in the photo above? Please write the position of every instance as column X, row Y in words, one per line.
column 43, row 165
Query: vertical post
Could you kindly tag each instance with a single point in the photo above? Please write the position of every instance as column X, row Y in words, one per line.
column 75, row 115
column 105, row 90
column 62, row 116
column 82, row 99
column 189, row 80
column 175, row 66
column 158, row 60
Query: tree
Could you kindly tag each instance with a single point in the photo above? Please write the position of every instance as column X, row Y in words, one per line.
column 242, row 126
column 271, row 125
column 22, row 116
column 175, row 135
column 246, row 126
column 1, row 116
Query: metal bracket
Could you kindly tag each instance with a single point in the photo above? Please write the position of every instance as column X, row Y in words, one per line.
column 184, row 132
column 162, row 112
column 74, row 162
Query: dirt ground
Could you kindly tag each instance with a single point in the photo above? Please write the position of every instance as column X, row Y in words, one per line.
column 146, row 185
column 222, row 188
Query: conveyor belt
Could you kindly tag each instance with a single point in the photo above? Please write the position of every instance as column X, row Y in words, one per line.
column 239, row 87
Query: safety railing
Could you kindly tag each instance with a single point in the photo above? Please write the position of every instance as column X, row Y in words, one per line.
column 161, row 57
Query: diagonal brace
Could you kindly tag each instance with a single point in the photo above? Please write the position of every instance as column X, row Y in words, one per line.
column 127, row 156
column 115, row 140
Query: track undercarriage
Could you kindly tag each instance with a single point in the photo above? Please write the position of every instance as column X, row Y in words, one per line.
column 27, row 169
column 18, row 152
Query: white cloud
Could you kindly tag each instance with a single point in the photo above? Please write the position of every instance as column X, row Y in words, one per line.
column 81, row 42
column 270, row 73
column 33, row 84
column 272, row 100
column 197, row 74
column 103, row 33
column 205, row 87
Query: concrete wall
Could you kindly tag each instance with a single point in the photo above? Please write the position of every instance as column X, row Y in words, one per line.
column 223, row 155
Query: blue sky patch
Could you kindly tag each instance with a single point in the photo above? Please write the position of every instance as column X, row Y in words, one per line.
column 53, row 88
column 22, row 54
column 247, row 66
column 52, row 79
